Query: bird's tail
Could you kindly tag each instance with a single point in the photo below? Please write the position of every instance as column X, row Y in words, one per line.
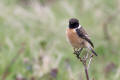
column 91, row 49
column 93, row 52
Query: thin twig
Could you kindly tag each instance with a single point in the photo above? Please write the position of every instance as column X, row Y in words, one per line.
column 86, row 71
column 90, row 61
column 85, row 66
column 84, row 62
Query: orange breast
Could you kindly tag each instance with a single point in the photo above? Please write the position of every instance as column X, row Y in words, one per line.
column 74, row 39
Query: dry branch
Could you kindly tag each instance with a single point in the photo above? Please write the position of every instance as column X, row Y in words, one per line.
column 84, row 62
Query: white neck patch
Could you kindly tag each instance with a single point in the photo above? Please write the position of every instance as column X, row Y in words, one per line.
column 79, row 26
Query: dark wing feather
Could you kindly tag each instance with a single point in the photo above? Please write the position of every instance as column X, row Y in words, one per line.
column 82, row 34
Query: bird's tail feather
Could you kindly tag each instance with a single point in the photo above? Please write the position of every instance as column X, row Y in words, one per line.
column 94, row 52
column 91, row 49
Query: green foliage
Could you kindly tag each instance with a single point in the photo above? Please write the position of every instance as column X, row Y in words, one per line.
column 40, row 30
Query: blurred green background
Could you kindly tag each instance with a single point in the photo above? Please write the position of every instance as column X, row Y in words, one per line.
column 33, row 43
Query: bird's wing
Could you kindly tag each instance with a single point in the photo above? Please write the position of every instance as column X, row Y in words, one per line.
column 83, row 34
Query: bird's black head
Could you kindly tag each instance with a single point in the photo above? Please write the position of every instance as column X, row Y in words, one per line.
column 73, row 23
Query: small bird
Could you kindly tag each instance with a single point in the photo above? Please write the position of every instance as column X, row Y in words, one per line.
column 78, row 37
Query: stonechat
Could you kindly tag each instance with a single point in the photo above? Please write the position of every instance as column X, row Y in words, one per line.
column 78, row 37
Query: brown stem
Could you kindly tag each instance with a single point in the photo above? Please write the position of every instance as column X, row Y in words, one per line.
column 86, row 71
column 84, row 62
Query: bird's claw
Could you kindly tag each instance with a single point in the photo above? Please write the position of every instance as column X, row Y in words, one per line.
column 77, row 53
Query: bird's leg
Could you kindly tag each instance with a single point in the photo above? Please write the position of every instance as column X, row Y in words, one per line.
column 77, row 52
column 80, row 50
